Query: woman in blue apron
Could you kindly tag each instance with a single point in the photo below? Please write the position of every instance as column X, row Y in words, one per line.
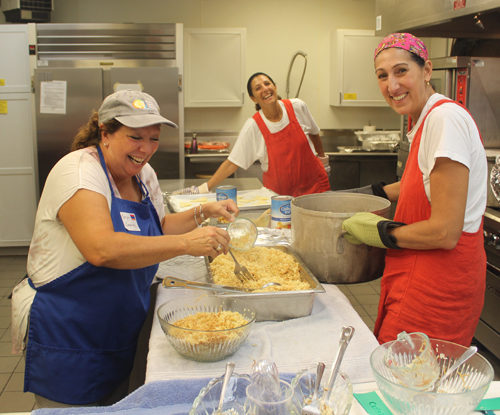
column 100, row 233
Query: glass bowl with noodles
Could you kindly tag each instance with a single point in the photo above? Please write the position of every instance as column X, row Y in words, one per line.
column 207, row 328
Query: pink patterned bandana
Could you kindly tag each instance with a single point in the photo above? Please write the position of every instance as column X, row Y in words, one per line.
column 404, row 41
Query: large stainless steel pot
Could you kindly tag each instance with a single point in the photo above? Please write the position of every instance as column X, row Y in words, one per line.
column 317, row 236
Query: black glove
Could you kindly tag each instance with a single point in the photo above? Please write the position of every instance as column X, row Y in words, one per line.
column 376, row 189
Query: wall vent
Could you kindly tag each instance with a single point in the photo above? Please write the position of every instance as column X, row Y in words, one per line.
column 24, row 11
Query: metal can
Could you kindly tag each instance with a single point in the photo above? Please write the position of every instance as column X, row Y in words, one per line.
column 281, row 212
column 226, row 192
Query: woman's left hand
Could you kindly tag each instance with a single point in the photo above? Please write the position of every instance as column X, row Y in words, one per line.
column 226, row 208
column 206, row 241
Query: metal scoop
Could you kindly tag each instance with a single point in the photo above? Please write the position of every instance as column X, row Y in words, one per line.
column 172, row 282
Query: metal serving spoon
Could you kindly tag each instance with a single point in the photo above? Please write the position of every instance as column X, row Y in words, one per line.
column 312, row 408
column 172, row 282
column 345, row 338
column 227, row 378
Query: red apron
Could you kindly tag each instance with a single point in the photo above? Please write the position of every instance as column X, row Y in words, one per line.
column 438, row 292
column 293, row 168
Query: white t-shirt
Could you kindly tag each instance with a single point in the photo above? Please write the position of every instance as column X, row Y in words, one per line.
column 251, row 146
column 52, row 251
column 450, row 132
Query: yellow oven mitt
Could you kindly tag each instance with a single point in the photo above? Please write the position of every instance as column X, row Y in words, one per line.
column 370, row 229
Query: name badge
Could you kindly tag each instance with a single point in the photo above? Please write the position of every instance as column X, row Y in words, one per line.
column 130, row 221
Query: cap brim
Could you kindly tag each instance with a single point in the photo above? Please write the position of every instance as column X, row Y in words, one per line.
column 144, row 120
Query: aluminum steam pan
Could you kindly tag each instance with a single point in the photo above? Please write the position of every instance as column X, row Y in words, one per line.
column 281, row 305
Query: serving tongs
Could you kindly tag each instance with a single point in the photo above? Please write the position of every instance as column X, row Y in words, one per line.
column 172, row 282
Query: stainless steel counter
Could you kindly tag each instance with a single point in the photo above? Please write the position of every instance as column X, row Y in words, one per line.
column 247, row 183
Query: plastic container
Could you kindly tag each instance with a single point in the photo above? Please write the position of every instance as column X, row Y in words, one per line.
column 379, row 140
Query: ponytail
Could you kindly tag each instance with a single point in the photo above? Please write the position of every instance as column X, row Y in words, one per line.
column 90, row 135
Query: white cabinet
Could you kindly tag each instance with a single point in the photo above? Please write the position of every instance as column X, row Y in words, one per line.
column 18, row 201
column 214, row 67
column 353, row 82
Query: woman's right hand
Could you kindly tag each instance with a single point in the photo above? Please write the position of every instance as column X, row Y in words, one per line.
column 207, row 241
column 225, row 208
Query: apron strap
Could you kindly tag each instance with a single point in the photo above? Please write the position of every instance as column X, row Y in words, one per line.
column 142, row 186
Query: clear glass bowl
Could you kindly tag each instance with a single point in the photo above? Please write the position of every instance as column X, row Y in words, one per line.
column 459, row 394
column 243, row 233
column 341, row 398
column 207, row 401
column 205, row 345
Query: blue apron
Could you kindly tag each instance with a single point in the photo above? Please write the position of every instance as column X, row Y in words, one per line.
column 85, row 324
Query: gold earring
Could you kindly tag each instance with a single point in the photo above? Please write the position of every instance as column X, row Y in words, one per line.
column 428, row 83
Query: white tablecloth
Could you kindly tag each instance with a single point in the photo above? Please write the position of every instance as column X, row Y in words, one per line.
column 292, row 344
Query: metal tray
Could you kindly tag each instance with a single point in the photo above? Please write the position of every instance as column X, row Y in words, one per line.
column 282, row 305
column 367, row 149
column 211, row 197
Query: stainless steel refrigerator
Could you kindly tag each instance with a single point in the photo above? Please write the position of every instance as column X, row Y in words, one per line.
column 78, row 65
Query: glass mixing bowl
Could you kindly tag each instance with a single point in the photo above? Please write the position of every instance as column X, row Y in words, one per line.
column 207, row 401
column 205, row 345
column 341, row 398
column 459, row 394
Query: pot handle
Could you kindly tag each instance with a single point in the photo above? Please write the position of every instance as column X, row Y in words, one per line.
column 341, row 243
column 495, row 178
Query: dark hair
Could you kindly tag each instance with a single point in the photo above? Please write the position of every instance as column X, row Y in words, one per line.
column 417, row 59
column 420, row 62
column 249, row 85
column 90, row 134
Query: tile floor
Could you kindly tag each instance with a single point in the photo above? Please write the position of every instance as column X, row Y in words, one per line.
column 363, row 297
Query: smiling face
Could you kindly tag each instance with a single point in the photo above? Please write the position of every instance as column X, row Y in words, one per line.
column 127, row 150
column 264, row 91
column 403, row 82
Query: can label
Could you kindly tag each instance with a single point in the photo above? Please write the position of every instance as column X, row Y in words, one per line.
column 281, row 212
column 226, row 192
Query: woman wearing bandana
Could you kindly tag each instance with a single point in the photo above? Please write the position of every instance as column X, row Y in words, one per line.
column 434, row 277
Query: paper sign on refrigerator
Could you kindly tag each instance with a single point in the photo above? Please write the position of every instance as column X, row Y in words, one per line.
column 53, row 97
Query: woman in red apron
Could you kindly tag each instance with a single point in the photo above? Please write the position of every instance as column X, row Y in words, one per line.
column 434, row 277
column 280, row 135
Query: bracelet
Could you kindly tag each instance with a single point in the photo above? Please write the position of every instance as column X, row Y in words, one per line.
column 201, row 214
column 196, row 220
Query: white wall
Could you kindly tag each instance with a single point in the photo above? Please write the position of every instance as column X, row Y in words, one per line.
column 276, row 29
